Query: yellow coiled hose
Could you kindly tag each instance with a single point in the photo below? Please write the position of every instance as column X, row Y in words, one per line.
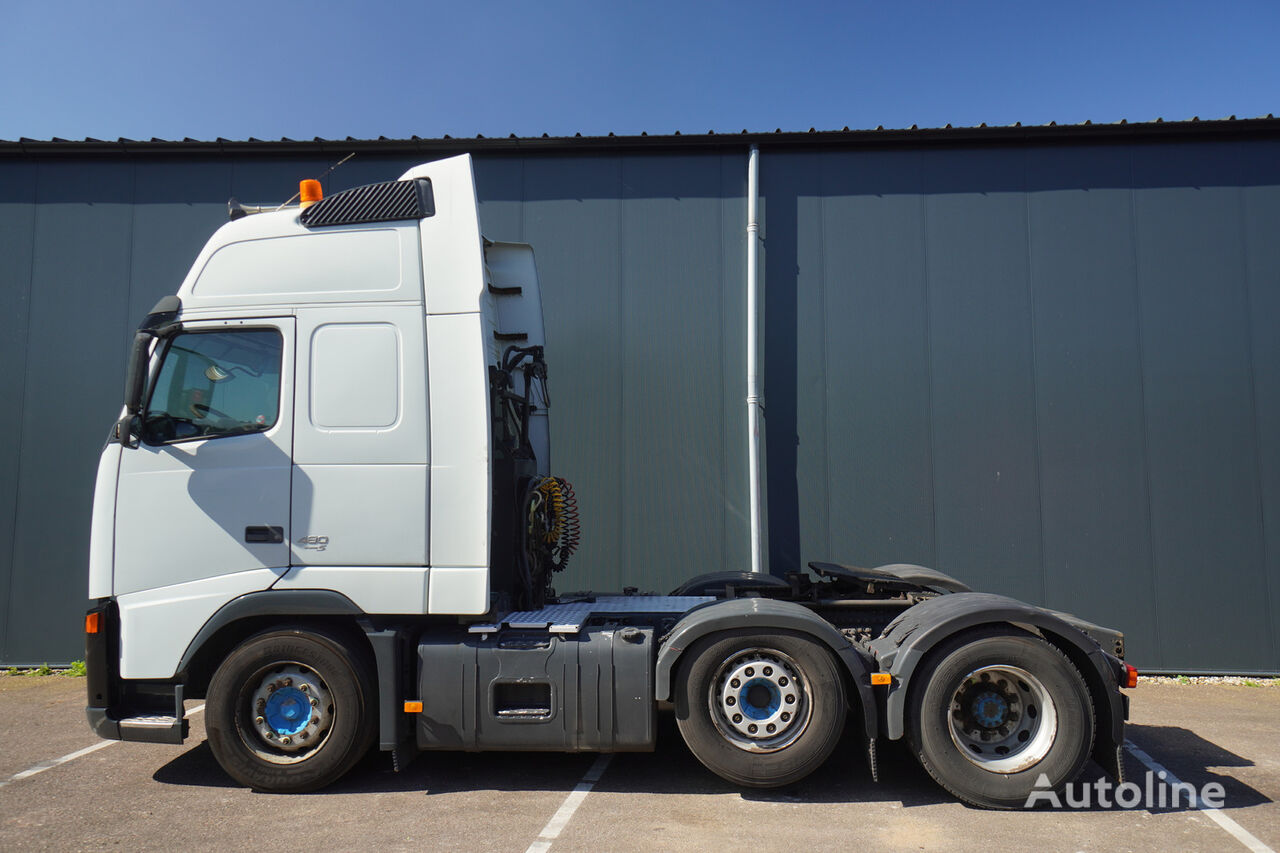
column 553, row 519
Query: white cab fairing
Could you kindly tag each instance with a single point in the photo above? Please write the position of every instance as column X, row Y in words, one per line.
column 459, row 330
column 377, row 471
column 453, row 260
column 374, row 589
column 157, row 625
column 460, row 444
column 271, row 259
column 515, row 304
column 102, row 530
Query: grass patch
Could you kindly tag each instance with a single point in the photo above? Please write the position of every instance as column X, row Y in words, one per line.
column 75, row 669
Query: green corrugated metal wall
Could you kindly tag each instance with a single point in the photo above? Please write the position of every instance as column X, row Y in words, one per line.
column 1053, row 371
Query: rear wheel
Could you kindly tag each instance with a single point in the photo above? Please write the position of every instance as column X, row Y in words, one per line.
column 291, row 710
column 760, row 710
column 994, row 713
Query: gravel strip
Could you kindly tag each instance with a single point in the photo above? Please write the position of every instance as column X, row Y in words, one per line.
column 1235, row 680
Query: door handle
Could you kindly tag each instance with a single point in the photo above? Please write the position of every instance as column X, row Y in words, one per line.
column 264, row 533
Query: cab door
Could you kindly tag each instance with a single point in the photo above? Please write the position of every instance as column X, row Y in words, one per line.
column 206, row 490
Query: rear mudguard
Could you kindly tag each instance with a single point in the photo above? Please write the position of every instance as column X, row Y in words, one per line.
column 910, row 637
column 765, row 615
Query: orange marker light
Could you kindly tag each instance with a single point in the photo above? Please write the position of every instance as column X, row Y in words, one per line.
column 881, row 679
column 413, row 707
column 310, row 192
column 91, row 622
column 1130, row 676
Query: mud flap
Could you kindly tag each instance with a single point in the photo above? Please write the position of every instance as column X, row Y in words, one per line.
column 1111, row 758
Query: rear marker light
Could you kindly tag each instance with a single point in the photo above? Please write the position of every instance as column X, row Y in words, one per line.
column 91, row 622
column 1130, row 676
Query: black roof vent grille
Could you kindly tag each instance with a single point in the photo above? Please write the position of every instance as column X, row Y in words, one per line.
column 385, row 202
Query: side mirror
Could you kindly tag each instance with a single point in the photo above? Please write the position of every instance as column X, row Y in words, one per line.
column 160, row 323
column 128, row 430
column 135, row 380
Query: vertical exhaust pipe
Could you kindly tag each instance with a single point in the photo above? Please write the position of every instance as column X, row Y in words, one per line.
column 754, row 412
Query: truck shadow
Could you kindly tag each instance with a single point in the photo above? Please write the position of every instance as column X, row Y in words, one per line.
column 1193, row 760
column 672, row 769
column 669, row 769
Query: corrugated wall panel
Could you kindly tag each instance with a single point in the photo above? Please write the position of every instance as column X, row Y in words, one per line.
column 1261, row 206
column 1201, row 427
column 582, row 295
column 75, row 361
column 639, row 257
column 986, row 466
column 735, row 534
column 176, row 207
column 17, row 229
column 1053, row 371
column 1089, row 394
column 792, row 364
column 1050, row 371
column 500, row 188
column 673, row 468
column 879, row 472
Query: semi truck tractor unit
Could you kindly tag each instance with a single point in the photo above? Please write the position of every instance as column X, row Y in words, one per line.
column 327, row 509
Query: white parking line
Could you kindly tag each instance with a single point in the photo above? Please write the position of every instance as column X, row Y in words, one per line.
column 1234, row 829
column 561, row 818
column 70, row 756
column 49, row 765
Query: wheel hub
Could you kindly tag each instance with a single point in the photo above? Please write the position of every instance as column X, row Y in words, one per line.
column 292, row 709
column 1002, row 719
column 758, row 701
column 991, row 709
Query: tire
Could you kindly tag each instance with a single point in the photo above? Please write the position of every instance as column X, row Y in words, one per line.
column 291, row 710
column 791, row 691
column 991, row 713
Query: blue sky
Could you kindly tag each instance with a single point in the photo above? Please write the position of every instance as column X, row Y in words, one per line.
column 142, row 69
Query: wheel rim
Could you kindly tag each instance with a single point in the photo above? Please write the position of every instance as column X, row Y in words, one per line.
column 286, row 712
column 759, row 700
column 1002, row 718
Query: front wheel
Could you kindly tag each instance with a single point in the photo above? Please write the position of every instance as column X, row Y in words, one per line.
column 995, row 717
column 291, row 710
column 760, row 710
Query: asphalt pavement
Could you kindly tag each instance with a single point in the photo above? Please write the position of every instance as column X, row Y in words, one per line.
column 112, row 795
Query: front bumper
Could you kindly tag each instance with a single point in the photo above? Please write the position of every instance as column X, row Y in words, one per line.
column 143, row 711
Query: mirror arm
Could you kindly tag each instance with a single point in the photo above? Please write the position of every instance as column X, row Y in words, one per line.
column 136, row 380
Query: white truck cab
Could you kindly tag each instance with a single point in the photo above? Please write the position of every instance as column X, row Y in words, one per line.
column 327, row 508
column 286, row 439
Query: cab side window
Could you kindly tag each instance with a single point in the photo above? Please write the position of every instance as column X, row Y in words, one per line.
column 215, row 384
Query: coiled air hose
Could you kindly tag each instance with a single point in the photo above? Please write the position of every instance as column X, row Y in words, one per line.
column 558, row 525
